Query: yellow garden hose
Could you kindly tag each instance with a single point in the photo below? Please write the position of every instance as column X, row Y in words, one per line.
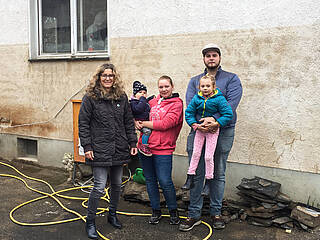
column 54, row 194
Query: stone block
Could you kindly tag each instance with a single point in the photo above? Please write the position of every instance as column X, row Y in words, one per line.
column 307, row 216
column 262, row 186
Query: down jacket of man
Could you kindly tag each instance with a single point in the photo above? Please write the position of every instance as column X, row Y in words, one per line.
column 106, row 127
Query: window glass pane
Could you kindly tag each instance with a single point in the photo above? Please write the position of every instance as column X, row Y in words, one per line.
column 56, row 30
column 92, row 25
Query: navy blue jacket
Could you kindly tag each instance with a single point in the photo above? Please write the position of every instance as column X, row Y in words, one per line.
column 140, row 108
column 228, row 83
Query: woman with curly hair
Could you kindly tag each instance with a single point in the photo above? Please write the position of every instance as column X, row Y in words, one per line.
column 107, row 134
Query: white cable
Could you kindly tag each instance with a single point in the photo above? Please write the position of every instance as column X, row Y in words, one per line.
column 90, row 180
column 85, row 184
column 43, row 122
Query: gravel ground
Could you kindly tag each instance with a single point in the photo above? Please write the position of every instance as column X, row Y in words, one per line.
column 13, row 192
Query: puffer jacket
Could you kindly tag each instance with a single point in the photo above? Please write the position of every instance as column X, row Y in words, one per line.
column 201, row 107
column 106, row 127
column 230, row 86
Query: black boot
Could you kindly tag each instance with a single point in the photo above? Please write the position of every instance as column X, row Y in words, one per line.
column 174, row 217
column 156, row 216
column 113, row 220
column 189, row 183
column 206, row 189
column 91, row 229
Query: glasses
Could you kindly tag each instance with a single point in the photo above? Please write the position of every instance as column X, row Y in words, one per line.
column 107, row 75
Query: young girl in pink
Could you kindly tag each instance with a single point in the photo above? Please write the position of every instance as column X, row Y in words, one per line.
column 207, row 103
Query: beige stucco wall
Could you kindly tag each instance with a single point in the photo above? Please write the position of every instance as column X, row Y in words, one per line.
column 277, row 117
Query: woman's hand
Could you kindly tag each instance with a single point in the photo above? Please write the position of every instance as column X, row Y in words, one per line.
column 133, row 151
column 138, row 124
column 89, row 155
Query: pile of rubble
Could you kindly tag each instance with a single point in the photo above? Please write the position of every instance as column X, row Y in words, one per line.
column 264, row 205
column 261, row 204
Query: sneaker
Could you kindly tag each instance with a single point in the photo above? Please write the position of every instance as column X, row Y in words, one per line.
column 156, row 216
column 188, row 224
column 145, row 150
column 174, row 217
column 189, row 183
column 217, row 222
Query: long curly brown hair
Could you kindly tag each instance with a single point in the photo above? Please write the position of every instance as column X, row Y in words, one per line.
column 96, row 91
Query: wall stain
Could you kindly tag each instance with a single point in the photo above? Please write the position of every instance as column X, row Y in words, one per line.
column 275, row 66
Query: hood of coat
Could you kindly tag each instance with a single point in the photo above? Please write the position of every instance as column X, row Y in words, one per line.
column 215, row 94
column 172, row 98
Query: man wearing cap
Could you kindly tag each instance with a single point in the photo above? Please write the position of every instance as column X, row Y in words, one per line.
column 230, row 86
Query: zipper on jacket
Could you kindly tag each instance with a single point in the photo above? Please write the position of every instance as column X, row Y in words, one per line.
column 205, row 100
column 204, row 107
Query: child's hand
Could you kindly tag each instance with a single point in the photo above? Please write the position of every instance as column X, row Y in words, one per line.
column 140, row 94
column 195, row 126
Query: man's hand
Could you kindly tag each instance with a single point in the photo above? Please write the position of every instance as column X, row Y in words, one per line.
column 134, row 151
column 209, row 124
column 89, row 155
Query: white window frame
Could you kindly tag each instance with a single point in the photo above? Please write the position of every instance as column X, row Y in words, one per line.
column 35, row 43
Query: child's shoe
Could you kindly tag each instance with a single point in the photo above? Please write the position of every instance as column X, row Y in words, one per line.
column 189, row 183
column 145, row 150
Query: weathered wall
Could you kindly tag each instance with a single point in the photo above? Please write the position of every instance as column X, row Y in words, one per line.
column 149, row 18
column 14, row 22
column 272, row 45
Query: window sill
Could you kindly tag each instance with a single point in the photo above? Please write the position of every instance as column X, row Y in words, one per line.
column 69, row 58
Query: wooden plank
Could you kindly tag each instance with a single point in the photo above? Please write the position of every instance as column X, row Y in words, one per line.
column 76, row 104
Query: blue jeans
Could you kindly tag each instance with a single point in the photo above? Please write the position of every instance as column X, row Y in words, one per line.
column 146, row 134
column 158, row 168
column 217, row 184
column 100, row 175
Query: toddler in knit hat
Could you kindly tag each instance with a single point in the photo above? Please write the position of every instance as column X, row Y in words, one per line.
column 140, row 110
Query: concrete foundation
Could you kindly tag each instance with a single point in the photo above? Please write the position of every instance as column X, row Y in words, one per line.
column 291, row 181
column 49, row 151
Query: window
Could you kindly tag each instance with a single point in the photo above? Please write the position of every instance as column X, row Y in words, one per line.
column 68, row 29
column 27, row 148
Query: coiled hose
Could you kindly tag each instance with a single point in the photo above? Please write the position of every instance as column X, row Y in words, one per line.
column 55, row 194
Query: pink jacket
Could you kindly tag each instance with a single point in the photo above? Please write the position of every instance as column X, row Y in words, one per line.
column 167, row 118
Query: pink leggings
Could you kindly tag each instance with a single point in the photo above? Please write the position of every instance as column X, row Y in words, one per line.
column 211, row 143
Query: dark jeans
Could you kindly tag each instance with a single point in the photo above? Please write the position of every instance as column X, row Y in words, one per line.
column 224, row 145
column 158, row 168
column 100, row 175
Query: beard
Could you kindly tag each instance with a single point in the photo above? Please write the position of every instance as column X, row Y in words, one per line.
column 212, row 67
